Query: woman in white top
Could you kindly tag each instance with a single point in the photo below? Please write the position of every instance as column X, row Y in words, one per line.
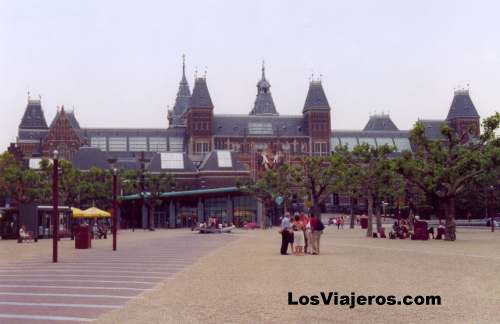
column 298, row 236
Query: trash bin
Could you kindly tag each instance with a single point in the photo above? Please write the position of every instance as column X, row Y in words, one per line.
column 82, row 237
column 364, row 222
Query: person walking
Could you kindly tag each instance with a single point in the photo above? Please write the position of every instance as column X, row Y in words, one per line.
column 285, row 234
column 317, row 228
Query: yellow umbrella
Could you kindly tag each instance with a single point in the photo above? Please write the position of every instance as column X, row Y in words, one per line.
column 77, row 213
column 94, row 212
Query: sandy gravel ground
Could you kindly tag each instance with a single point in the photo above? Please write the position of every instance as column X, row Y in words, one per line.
column 247, row 281
column 11, row 251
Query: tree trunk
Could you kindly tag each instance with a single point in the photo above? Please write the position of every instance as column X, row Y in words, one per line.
column 378, row 217
column 353, row 217
column 411, row 220
column 369, row 231
column 151, row 216
column 450, row 231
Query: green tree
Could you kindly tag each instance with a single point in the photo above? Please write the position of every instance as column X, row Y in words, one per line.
column 70, row 181
column 317, row 176
column 154, row 186
column 372, row 175
column 270, row 184
column 443, row 168
column 95, row 188
column 19, row 184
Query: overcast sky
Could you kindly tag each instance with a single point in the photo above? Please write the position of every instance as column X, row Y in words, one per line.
column 118, row 63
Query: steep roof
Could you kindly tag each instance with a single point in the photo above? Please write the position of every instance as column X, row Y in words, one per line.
column 316, row 98
column 462, row 106
column 382, row 122
column 33, row 117
column 200, row 97
column 61, row 118
column 264, row 104
column 238, row 125
column 182, row 99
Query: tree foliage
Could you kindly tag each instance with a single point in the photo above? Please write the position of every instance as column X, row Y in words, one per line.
column 443, row 168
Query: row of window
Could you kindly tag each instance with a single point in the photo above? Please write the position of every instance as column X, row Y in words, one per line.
column 137, row 144
column 200, row 125
column 401, row 143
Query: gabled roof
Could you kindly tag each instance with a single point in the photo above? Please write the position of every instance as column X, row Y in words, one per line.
column 237, row 125
column 70, row 115
column 33, row 117
column 211, row 163
column 62, row 117
column 382, row 122
column 264, row 104
column 88, row 157
column 316, row 98
column 200, row 97
column 462, row 106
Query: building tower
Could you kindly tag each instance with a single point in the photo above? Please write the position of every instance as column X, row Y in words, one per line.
column 199, row 117
column 32, row 129
column 181, row 101
column 463, row 116
column 316, row 114
column 264, row 104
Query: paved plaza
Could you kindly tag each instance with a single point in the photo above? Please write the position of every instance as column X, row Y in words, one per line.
column 88, row 283
column 175, row 276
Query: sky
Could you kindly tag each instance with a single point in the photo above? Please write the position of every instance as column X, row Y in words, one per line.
column 118, row 63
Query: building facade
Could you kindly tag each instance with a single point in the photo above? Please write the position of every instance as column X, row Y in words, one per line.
column 208, row 151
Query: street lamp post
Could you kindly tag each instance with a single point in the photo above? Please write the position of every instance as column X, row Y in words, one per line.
column 55, row 205
column 115, row 209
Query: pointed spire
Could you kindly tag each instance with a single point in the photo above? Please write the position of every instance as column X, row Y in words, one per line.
column 183, row 64
column 264, row 104
column 263, row 70
column 183, row 95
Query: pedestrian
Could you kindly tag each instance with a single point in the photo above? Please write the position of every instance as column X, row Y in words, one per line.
column 317, row 228
column 342, row 222
column 298, row 235
column 291, row 238
column 338, row 223
column 285, row 234
column 305, row 223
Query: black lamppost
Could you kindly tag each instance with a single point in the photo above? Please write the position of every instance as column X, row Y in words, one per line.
column 55, row 205
column 115, row 209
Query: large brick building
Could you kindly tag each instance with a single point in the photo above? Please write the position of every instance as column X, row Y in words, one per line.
column 208, row 151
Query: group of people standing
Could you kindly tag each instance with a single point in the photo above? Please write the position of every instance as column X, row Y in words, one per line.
column 302, row 233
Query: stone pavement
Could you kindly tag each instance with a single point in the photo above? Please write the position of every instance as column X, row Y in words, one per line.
column 82, row 287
